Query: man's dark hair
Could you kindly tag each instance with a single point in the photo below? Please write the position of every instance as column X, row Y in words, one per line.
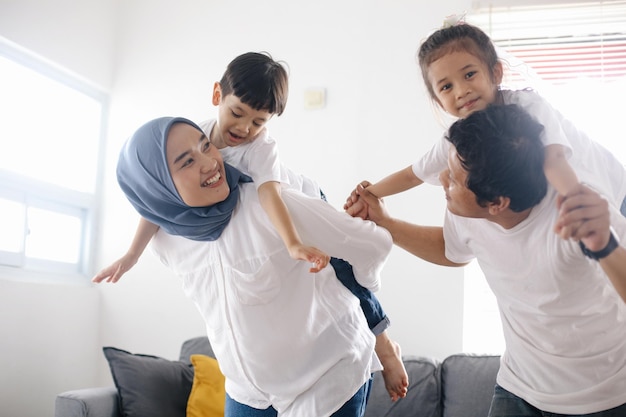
column 501, row 150
column 258, row 81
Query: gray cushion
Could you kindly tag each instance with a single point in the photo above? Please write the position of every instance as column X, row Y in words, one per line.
column 91, row 402
column 196, row 346
column 467, row 383
column 422, row 398
column 149, row 385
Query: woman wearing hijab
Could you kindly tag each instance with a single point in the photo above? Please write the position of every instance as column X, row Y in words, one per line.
column 288, row 342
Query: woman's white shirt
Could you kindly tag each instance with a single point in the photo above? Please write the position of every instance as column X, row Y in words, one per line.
column 283, row 336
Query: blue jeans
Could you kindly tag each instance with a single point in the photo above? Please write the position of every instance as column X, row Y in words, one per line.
column 506, row 404
column 354, row 407
column 376, row 318
column 623, row 208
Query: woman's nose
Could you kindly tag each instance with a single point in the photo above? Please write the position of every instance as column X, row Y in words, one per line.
column 208, row 163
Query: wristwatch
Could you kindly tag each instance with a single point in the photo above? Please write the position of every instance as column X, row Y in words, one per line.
column 602, row 253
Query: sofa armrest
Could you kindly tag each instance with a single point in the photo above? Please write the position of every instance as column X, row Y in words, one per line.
column 89, row 402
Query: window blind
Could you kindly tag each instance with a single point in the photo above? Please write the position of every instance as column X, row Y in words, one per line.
column 560, row 42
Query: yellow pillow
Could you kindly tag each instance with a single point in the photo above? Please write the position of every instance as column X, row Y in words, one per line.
column 208, row 395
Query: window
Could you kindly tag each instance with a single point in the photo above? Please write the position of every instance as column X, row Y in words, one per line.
column 575, row 56
column 52, row 135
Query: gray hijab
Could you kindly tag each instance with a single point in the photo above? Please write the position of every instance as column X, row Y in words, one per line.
column 143, row 175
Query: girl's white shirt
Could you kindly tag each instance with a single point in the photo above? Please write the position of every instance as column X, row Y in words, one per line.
column 283, row 336
column 588, row 157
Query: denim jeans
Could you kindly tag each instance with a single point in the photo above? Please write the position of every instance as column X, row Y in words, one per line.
column 354, row 407
column 506, row 404
column 623, row 208
column 376, row 318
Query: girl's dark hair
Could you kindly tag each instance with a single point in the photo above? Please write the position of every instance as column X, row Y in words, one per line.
column 461, row 37
column 501, row 150
column 258, row 81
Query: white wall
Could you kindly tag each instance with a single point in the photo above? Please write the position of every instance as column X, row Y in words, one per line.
column 51, row 332
column 161, row 58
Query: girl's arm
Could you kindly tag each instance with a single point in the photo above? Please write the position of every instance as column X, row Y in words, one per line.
column 591, row 210
column 395, row 183
column 558, row 171
column 274, row 206
column 143, row 235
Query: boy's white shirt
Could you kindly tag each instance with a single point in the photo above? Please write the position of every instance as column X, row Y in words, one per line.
column 260, row 160
column 275, row 327
column 588, row 158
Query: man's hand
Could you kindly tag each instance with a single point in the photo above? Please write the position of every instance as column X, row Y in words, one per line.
column 375, row 207
column 354, row 206
column 584, row 216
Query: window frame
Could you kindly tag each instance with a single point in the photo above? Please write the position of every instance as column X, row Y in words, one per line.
column 42, row 195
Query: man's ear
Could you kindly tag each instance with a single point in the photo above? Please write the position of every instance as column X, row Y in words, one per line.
column 217, row 94
column 499, row 205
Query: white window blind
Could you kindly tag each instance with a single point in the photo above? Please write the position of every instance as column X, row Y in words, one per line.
column 561, row 42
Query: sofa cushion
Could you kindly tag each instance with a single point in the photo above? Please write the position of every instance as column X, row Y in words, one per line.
column 422, row 398
column 208, row 393
column 149, row 385
column 196, row 346
column 467, row 383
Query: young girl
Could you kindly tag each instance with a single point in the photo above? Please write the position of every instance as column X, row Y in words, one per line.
column 254, row 88
column 462, row 73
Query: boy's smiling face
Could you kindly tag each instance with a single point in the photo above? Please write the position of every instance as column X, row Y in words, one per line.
column 237, row 123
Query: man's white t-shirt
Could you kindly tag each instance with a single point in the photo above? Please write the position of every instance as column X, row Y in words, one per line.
column 564, row 324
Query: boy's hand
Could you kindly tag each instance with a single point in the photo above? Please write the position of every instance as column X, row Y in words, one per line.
column 114, row 272
column 310, row 254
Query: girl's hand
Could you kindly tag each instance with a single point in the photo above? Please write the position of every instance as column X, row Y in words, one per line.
column 584, row 216
column 354, row 206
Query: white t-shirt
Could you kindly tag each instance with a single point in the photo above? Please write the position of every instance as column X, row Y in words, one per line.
column 587, row 156
column 283, row 336
column 259, row 159
column 563, row 322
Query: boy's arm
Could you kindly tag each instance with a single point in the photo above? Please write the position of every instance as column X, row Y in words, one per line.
column 113, row 273
column 425, row 242
column 395, row 183
column 274, row 206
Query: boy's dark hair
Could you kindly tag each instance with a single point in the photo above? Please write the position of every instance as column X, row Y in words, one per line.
column 501, row 150
column 459, row 38
column 258, row 81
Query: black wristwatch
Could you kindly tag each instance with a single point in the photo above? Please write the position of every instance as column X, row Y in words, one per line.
column 602, row 253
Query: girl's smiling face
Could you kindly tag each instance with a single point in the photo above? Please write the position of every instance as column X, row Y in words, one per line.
column 196, row 166
column 463, row 83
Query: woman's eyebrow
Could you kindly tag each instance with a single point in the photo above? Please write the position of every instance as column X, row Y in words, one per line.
column 184, row 154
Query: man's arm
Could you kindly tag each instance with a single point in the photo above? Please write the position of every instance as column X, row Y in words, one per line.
column 591, row 210
column 425, row 242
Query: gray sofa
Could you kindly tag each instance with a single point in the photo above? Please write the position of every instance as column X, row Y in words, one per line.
column 459, row 386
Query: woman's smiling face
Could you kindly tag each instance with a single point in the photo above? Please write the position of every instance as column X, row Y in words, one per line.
column 196, row 166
